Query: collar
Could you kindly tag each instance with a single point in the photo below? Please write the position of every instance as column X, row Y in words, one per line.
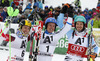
column 47, row 32
column 83, row 33
column 20, row 34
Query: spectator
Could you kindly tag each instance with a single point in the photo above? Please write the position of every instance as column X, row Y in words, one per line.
column 18, row 19
column 13, row 5
column 28, row 6
column 6, row 3
column 51, row 9
column 90, row 13
column 36, row 3
column 94, row 10
column 50, row 14
column 58, row 9
column 87, row 17
column 96, row 19
column 46, row 10
column 42, row 14
column 98, row 8
column 4, row 13
column 40, row 4
column 20, row 9
column 94, row 14
column 1, row 9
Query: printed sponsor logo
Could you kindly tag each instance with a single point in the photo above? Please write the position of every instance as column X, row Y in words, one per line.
column 77, row 48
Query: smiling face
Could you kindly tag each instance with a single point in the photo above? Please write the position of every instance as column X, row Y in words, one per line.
column 25, row 29
column 79, row 26
column 51, row 27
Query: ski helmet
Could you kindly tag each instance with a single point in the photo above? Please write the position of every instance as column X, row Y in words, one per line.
column 80, row 18
column 50, row 20
column 25, row 22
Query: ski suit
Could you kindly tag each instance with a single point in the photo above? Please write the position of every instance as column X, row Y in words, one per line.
column 77, row 43
column 18, row 46
column 48, row 42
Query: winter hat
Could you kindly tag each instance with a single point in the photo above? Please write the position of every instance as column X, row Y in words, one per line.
column 94, row 13
column 46, row 7
column 98, row 6
column 90, row 10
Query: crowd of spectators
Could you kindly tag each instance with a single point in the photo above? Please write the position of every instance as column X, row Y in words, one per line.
column 38, row 13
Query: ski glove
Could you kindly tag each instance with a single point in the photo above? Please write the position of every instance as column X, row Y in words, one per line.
column 70, row 11
column 65, row 8
column 92, row 55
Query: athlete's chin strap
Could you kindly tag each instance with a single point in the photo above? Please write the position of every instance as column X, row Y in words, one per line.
column 20, row 34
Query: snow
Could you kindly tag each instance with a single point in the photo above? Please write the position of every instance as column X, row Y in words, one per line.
column 84, row 3
column 54, row 3
column 56, row 57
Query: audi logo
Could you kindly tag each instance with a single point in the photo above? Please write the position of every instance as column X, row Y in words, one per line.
column 77, row 48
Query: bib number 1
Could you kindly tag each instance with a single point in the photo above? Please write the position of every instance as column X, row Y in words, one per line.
column 47, row 48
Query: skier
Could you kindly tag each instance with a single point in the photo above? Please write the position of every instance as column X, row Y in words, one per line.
column 49, row 39
column 77, row 39
column 19, row 41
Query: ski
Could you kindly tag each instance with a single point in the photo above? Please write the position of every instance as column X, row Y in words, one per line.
column 89, row 41
column 36, row 50
column 9, row 26
column 89, row 46
column 35, row 36
column 31, row 45
column 38, row 29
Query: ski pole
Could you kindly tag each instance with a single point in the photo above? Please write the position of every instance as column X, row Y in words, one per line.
column 36, row 51
column 31, row 45
column 9, row 40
